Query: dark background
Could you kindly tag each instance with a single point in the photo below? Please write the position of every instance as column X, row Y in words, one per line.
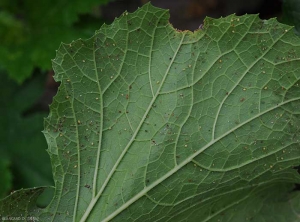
column 188, row 14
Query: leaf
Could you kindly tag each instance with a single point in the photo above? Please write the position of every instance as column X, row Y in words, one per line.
column 155, row 124
column 30, row 32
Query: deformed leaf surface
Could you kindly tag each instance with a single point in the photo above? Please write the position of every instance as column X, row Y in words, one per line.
column 155, row 124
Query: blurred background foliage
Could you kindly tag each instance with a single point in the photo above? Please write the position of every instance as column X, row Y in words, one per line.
column 31, row 31
column 291, row 14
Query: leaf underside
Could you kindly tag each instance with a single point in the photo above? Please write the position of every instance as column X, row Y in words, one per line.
column 155, row 124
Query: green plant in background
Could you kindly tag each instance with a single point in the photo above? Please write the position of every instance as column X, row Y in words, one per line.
column 154, row 124
column 22, row 146
column 31, row 30
column 6, row 176
column 291, row 13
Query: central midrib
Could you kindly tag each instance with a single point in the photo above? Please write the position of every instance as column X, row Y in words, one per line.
column 189, row 159
column 95, row 199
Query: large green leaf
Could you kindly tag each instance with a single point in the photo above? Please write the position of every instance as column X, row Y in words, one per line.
column 155, row 124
